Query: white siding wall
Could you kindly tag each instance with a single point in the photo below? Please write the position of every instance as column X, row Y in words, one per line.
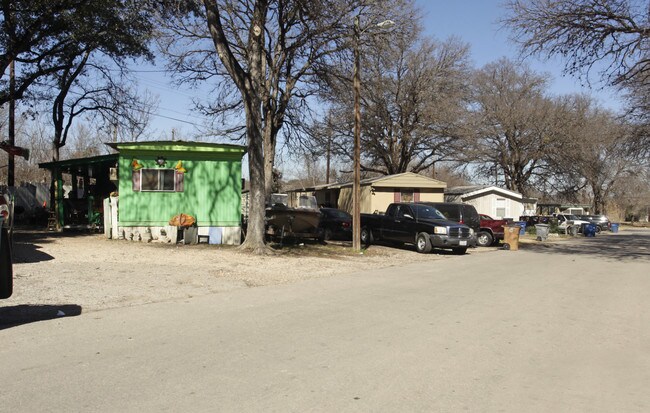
column 487, row 204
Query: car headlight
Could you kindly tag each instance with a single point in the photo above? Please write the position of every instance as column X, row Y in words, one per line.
column 471, row 231
column 440, row 230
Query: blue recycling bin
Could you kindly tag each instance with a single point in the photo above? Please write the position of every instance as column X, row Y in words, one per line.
column 522, row 226
column 589, row 230
column 614, row 227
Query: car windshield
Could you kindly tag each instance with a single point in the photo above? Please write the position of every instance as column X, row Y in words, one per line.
column 427, row 212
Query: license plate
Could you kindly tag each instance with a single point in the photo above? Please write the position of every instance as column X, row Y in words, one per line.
column 462, row 243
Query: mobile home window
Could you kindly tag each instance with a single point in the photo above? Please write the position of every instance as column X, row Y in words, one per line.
column 406, row 195
column 501, row 208
column 160, row 180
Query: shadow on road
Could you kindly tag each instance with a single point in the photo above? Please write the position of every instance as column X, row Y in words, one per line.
column 24, row 314
column 631, row 246
column 410, row 247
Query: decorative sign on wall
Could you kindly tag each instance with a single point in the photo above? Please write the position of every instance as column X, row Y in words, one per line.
column 179, row 168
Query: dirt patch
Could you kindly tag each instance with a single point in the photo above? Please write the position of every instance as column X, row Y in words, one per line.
column 95, row 273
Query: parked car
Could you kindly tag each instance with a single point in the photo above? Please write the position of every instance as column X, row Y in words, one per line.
column 6, row 265
column 601, row 221
column 491, row 231
column 335, row 224
column 566, row 222
column 461, row 213
column 418, row 224
column 532, row 220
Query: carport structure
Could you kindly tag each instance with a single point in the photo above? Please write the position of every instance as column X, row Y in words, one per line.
column 91, row 183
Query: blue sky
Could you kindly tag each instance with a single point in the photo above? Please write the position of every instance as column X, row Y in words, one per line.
column 477, row 23
column 473, row 21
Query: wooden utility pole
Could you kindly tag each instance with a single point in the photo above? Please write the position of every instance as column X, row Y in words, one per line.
column 356, row 186
column 329, row 149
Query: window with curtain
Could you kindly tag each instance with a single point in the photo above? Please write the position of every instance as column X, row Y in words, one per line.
column 158, row 180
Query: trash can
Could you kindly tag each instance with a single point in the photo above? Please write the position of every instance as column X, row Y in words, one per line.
column 589, row 230
column 190, row 235
column 522, row 226
column 541, row 231
column 511, row 237
column 614, row 227
column 573, row 230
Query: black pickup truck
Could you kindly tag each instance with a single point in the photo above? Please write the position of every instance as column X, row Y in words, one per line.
column 418, row 224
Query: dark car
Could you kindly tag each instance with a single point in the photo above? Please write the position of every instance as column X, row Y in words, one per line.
column 461, row 213
column 335, row 224
column 601, row 221
column 6, row 268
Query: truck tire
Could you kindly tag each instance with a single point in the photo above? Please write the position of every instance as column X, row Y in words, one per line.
column 6, row 270
column 423, row 243
column 484, row 239
column 459, row 251
column 366, row 236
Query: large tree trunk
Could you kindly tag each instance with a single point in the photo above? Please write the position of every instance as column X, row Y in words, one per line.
column 599, row 201
column 255, row 233
column 269, row 158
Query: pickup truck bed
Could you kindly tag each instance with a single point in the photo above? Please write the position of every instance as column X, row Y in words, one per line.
column 491, row 231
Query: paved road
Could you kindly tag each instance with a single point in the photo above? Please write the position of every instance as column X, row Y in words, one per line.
column 550, row 328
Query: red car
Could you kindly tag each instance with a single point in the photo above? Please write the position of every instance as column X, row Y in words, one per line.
column 491, row 231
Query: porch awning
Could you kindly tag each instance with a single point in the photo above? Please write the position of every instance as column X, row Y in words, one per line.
column 90, row 166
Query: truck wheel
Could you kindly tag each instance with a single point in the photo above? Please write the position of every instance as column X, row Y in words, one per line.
column 366, row 236
column 460, row 251
column 423, row 243
column 484, row 239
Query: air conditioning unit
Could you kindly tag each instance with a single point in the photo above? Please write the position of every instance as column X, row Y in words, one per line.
column 113, row 174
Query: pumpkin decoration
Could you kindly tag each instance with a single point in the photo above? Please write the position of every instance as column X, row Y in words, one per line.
column 182, row 220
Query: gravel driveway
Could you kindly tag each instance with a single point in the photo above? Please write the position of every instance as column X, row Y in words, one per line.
column 94, row 273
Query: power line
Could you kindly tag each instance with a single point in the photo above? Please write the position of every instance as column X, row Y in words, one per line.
column 169, row 117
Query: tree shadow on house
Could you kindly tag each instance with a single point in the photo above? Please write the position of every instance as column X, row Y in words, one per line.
column 17, row 315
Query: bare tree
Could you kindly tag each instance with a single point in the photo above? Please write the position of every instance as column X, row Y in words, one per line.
column 512, row 124
column 609, row 37
column 95, row 88
column 586, row 32
column 414, row 99
column 596, row 151
column 267, row 52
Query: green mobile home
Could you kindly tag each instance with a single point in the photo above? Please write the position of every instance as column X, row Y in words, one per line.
column 158, row 180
